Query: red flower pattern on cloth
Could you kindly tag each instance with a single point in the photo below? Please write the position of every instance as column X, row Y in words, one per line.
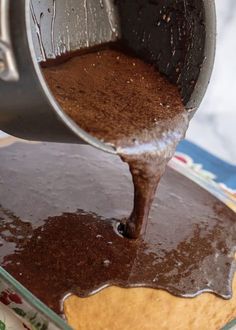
column 7, row 297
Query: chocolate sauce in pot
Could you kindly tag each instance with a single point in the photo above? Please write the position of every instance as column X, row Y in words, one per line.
column 125, row 102
column 59, row 211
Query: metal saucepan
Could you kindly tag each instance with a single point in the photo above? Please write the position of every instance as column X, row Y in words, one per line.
column 177, row 36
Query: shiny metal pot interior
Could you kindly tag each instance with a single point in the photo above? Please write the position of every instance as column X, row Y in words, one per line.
column 177, row 36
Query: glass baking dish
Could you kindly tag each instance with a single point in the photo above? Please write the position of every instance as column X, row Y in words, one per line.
column 27, row 306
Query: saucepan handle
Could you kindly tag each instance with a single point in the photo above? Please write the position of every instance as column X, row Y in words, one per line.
column 8, row 68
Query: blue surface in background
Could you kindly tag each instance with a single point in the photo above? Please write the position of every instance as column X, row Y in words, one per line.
column 224, row 172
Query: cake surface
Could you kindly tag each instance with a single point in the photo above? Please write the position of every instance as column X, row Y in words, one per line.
column 148, row 309
column 64, row 192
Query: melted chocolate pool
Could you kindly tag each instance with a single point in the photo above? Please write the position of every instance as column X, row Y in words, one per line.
column 59, row 205
column 126, row 103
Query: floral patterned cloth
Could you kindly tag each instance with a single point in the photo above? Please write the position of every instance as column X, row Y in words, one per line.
column 210, row 172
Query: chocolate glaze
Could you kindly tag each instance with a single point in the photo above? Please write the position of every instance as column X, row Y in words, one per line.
column 59, row 205
column 125, row 102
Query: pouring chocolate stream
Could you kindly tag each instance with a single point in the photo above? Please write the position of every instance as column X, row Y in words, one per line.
column 128, row 104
